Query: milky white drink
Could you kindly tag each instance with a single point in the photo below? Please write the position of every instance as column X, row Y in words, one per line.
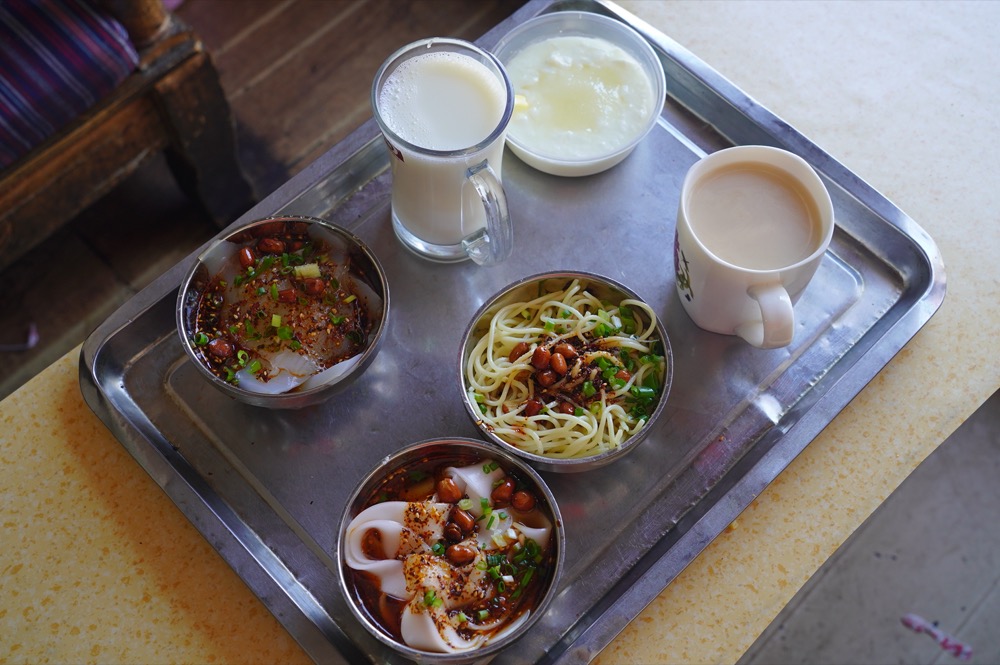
column 441, row 101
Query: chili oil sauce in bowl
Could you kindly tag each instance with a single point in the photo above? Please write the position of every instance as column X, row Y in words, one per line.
column 284, row 311
column 449, row 550
column 568, row 370
column 587, row 90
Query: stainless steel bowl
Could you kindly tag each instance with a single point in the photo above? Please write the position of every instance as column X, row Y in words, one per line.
column 431, row 453
column 363, row 264
column 527, row 289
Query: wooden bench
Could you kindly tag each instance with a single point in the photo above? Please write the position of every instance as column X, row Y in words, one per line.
column 172, row 103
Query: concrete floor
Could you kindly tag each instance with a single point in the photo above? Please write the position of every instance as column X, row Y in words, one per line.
column 932, row 550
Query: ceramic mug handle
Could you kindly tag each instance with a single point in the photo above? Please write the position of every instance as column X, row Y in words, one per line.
column 777, row 318
column 492, row 244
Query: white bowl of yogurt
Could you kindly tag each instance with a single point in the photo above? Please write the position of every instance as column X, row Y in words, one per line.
column 588, row 89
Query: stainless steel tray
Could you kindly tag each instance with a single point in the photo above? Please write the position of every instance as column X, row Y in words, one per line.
column 266, row 488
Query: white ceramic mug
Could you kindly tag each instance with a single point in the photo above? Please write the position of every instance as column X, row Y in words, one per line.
column 443, row 106
column 753, row 225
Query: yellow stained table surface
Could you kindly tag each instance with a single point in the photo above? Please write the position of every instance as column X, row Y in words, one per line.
column 97, row 565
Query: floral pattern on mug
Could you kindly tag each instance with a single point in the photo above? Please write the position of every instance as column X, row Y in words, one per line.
column 682, row 271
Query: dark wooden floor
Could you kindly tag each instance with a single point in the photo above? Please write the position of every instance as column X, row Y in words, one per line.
column 297, row 74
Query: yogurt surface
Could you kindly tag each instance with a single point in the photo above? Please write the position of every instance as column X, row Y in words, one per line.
column 578, row 97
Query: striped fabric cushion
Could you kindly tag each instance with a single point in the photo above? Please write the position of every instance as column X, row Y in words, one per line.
column 57, row 59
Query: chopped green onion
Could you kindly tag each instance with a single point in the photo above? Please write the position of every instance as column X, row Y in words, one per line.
column 484, row 503
column 431, row 599
column 492, row 520
column 200, row 339
column 285, row 332
column 549, row 326
column 242, row 357
column 336, row 319
column 490, row 467
column 351, row 298
column 254, row 366
column 275, row 320
column 465, row 503
column 274, row 291
column 643, row 392
column 483, row 615
column 578, row 411
column 588, row 389
column 462, row 618
column 295, row 345
column 438, row 548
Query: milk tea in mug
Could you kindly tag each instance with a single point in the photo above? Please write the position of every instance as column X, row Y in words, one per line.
column 755, row 216
column 450, row 111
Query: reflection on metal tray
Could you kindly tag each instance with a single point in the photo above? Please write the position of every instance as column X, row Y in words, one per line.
column 265, row 488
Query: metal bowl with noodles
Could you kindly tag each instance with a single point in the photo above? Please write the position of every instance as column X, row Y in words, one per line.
column 568, row 370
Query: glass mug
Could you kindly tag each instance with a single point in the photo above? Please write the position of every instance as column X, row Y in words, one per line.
column 443, row 106
column 753, row 225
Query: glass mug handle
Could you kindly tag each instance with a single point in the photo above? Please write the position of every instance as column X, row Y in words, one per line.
column 494, row 243
column 777, row 324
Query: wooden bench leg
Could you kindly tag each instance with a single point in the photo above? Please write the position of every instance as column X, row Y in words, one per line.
column 203, row 153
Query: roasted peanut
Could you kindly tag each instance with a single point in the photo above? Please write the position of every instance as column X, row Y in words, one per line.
column 540, row 358
column 501, row 493
column 272, row 228
column 566, row 350
column 532, row 407
column 247, row 257
column 313, row 285
column 271, row 245
column 546, row 378
column 459, row 555
column 287, row 295
column 465, row 521
column 519, row 350
column 523, row 501
column 623, row 375
column 220, row 348
column 566, row 407
column 447, row 491
column 452, row 532
column 558, row 363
